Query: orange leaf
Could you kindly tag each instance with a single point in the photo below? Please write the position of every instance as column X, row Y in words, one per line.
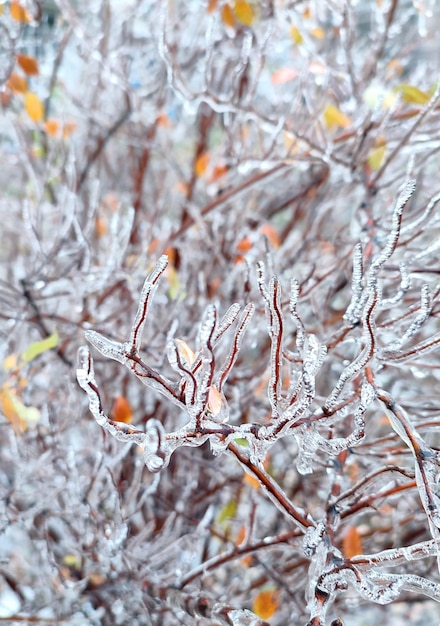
column 121, row 410
column 68, row 129
column 269, row 231
column 34, row 107
column 201, row 164
column 19, row 13
column 228, row 17
column 244, row 12
column 52, row 127
column 334, row 117
column 163, row 120
column 17, row 83
column 214, row 401
column 241, row 536
column 212, row 5
column 101, row 227
column 266, row 603
column 218, row 172
column 351, row 542
column 284, row 75
column 318, row 33
column 244, row 245
column 29, row 65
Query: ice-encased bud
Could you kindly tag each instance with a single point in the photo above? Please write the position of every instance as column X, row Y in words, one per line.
column 312, row 538
column 155, row 457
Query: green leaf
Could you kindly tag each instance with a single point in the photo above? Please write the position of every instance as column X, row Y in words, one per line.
column 38, row 347
column 227, row 512
column 241, row 441
column 412, row 94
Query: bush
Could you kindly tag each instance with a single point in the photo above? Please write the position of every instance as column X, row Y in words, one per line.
column 270, row 168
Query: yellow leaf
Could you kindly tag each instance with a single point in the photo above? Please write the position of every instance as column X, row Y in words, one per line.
column 19, row 13
column 18, row 414
column 266, row 603
column 10, row 363
column 28, row 64
column 227, row 511
column 351, row 542
column 227, row 15
column 333, row 117
column 34, row 107
column 17, row 83
column 185, row 352
column 38, row 347
column 201, row 164
column 72, row 561
column 174, row 286
column 412, row 94
column 376, row 156
column 296, row 35
column 244, row 12
column 121, row 410
column 318, row 33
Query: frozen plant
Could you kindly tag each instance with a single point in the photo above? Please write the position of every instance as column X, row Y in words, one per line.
column 321, row 427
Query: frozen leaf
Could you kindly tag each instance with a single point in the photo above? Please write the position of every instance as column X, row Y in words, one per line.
column 212, row 5
column 17, row 83
column 352, row 542
column 214, row 401
column 412, row 95
column 38, row 347
column 333, row 117
column 296, row 36
column 34, row 107
column 284, row 75
column 266, row 603
column 121, row 410
column 28, row 64
column 186, row 353
column 244, row 12
column 201, row 164
column 376, row 156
